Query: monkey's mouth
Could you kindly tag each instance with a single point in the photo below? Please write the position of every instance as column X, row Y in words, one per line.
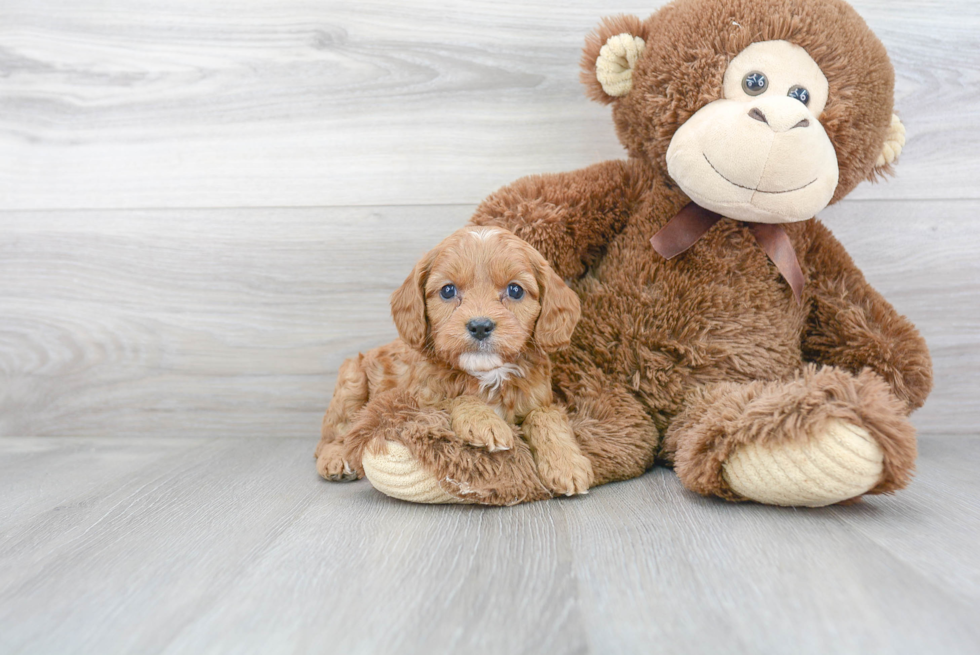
column 756, row 189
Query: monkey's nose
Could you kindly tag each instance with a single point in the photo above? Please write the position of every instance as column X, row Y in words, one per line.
column 480, row 328
column 780, row 114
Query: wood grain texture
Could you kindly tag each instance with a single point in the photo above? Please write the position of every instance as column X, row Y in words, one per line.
column 234, row 545
column 122, row 104
column 234, row 322
column 922, row 257
column 169, row 323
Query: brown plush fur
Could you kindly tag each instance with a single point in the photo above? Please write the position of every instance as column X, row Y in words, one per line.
column 709, row 349
column 483, row 401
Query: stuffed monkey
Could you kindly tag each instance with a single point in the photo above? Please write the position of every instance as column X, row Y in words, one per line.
column 725, row 332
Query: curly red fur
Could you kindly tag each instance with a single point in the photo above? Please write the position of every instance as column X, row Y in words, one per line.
column 441, row 366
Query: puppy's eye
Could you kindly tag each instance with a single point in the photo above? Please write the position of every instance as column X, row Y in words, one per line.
column 515, row 291
column 800, row 94
column 448, row 292
column 755, row 83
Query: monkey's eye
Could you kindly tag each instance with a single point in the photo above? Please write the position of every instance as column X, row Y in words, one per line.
column 515, row 291
column 448, row 292
column 800, row 94
column 755, row 84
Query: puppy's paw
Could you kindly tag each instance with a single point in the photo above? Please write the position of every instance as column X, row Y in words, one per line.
column 331, row 465
column 330, row 434
column 485, row 430
column 567, row 474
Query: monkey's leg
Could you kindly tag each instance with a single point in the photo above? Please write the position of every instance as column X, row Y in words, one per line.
column 820, row 438
column 411, row 453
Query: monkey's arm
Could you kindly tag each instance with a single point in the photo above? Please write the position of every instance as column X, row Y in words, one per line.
column 568, row 217
column 852, row 326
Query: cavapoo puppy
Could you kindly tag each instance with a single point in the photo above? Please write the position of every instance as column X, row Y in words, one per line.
column 477, row 318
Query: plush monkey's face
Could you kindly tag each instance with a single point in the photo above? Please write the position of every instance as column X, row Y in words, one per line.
column 760, row 110
column 760, row 153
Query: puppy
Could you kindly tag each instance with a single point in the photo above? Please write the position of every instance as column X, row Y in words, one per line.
column 477, row 318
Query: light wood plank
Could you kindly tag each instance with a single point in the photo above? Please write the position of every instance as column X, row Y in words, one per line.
column 68, row 473
column 169, row 323
column 310, row 103
column 154, row 548
column 922, row 257
column 765, row 579
column 234, row 322
column 236, row 546
column 935, row 529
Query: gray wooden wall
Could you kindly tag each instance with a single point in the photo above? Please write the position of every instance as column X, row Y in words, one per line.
column 204, row 206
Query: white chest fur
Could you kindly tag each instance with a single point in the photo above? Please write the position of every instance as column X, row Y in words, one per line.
column 489, row 369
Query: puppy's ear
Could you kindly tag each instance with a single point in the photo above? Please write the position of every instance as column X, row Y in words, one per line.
column 560, row 308
column 408, row 305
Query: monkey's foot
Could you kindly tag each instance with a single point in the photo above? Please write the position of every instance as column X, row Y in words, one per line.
column 841, row 462
column 397, row 473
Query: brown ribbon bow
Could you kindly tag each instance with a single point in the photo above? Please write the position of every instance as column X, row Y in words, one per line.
column 682, row 231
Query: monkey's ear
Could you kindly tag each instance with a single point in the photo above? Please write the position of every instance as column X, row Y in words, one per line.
column 892, row 147
column 408, row 305
column 610, row 55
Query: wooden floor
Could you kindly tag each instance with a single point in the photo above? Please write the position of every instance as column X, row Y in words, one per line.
column 235, row 546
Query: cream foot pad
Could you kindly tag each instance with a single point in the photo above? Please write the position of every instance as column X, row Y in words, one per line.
column 398, row 474
column 841, row 463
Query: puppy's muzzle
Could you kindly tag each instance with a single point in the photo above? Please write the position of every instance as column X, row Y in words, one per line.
column 480, row 328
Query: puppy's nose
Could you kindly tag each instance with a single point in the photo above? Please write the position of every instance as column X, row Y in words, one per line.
column 480, row 328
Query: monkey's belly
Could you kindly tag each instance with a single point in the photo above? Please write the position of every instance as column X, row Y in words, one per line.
column 664, row 330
